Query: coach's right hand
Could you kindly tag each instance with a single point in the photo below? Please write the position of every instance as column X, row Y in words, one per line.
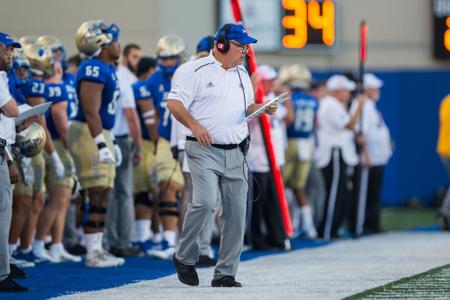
column 202, row 135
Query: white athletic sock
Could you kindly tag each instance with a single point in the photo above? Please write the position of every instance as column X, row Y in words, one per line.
column 307, row 220
column 91, row 242
column 157, row 238
column 27, row 250
column 57, row 247
column 38, row 244
column 12, row 248
column 143, row 231
column 170, row 237
column 99, row 242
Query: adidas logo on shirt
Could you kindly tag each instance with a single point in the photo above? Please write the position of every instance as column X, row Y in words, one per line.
column 210, row 85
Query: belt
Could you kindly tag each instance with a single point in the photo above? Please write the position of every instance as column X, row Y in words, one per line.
column 122, row 136
column 219, row 146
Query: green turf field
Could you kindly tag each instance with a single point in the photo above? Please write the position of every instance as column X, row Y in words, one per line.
column 407, row 218
column 433, row 284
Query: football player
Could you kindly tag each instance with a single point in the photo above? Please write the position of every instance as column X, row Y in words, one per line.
column 35, row 92
column 89, row 138
column 145, row 190
column 300, row 147
column 60, row 189
column 170, row 53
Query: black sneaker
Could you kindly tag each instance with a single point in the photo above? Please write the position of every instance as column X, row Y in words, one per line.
column 9, row 285
column 127, row 252
column 226, row 281
column 77, row 250
column 206, row 261
column 16, row 272
column 443, row 222
column 186, row 273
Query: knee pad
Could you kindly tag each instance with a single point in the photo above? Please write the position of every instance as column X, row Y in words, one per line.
column 144, row 199
column 168, row 208
column 91, row 205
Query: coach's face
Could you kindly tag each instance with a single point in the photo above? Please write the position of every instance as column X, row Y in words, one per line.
column 237, row 52
column 373, row 94
column 6, row 56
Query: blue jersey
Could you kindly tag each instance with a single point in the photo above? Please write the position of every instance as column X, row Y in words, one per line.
column 95, row 70
column 34, row 88
column 159, row 86
column 68, row 78
column 14, row 88
column 72, row 98
column 305, row 107
column 56, row 93
column 141, row 93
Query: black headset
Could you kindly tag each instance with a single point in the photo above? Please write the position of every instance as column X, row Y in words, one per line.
column 222, row 44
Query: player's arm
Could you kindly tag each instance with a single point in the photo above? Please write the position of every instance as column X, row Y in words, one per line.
column 149, row 115
column 91, row 99
column 59, row 116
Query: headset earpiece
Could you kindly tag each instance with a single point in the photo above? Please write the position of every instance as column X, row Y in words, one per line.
column 222, row 44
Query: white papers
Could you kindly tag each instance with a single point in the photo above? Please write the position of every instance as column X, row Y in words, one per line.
column 32, row 112
column 279, row 99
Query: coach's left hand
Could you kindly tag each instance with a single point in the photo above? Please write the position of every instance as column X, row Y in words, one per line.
column 272, row 109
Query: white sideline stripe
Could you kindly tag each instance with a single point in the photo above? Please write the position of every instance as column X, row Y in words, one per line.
column 333, row 194
column 362, row 200
column 330, row 272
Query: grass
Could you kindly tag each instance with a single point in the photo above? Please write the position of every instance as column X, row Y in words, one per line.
column 432, row 284
column 400, row 218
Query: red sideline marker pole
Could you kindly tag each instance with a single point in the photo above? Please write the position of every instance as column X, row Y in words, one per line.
column 275, row 170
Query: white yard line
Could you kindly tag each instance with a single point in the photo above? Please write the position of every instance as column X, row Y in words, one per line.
column 330, row 272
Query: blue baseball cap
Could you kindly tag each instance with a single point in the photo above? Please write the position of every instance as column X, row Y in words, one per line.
column 236, row 32
column 7, row 40
column 205, row 44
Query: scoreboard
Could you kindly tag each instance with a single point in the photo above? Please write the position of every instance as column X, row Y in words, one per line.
column 288, row 25
column 441, row 29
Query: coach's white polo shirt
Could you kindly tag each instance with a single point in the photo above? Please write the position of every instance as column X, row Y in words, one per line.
column 376, row 134
column 332, row 118
column 214, row 97
column 7, row 125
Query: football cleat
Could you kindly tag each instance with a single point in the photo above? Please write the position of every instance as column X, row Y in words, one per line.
column 102, row 259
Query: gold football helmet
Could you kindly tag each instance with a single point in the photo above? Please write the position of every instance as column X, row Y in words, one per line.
column 20, row 60
column 31, row 140
column 170, row 46
column 51, row 41
column 28, row 40
column 40, row 58
column 295, row 76
column 93, row 35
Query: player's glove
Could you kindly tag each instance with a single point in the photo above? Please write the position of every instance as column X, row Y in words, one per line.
column 105, row 155
column 118, row 154
column 57, row 164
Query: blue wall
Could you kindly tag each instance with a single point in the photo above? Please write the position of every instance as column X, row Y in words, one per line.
column 410, row 104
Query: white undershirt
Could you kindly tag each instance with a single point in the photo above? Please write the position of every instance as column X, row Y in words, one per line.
column 126, row 100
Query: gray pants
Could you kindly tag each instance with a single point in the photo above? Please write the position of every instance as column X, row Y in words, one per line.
column 5, row 217
column 215, row 171
column 315, row 189
column 445, row 208
column 207, row 231
column 70, row 237
column 120, row 213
